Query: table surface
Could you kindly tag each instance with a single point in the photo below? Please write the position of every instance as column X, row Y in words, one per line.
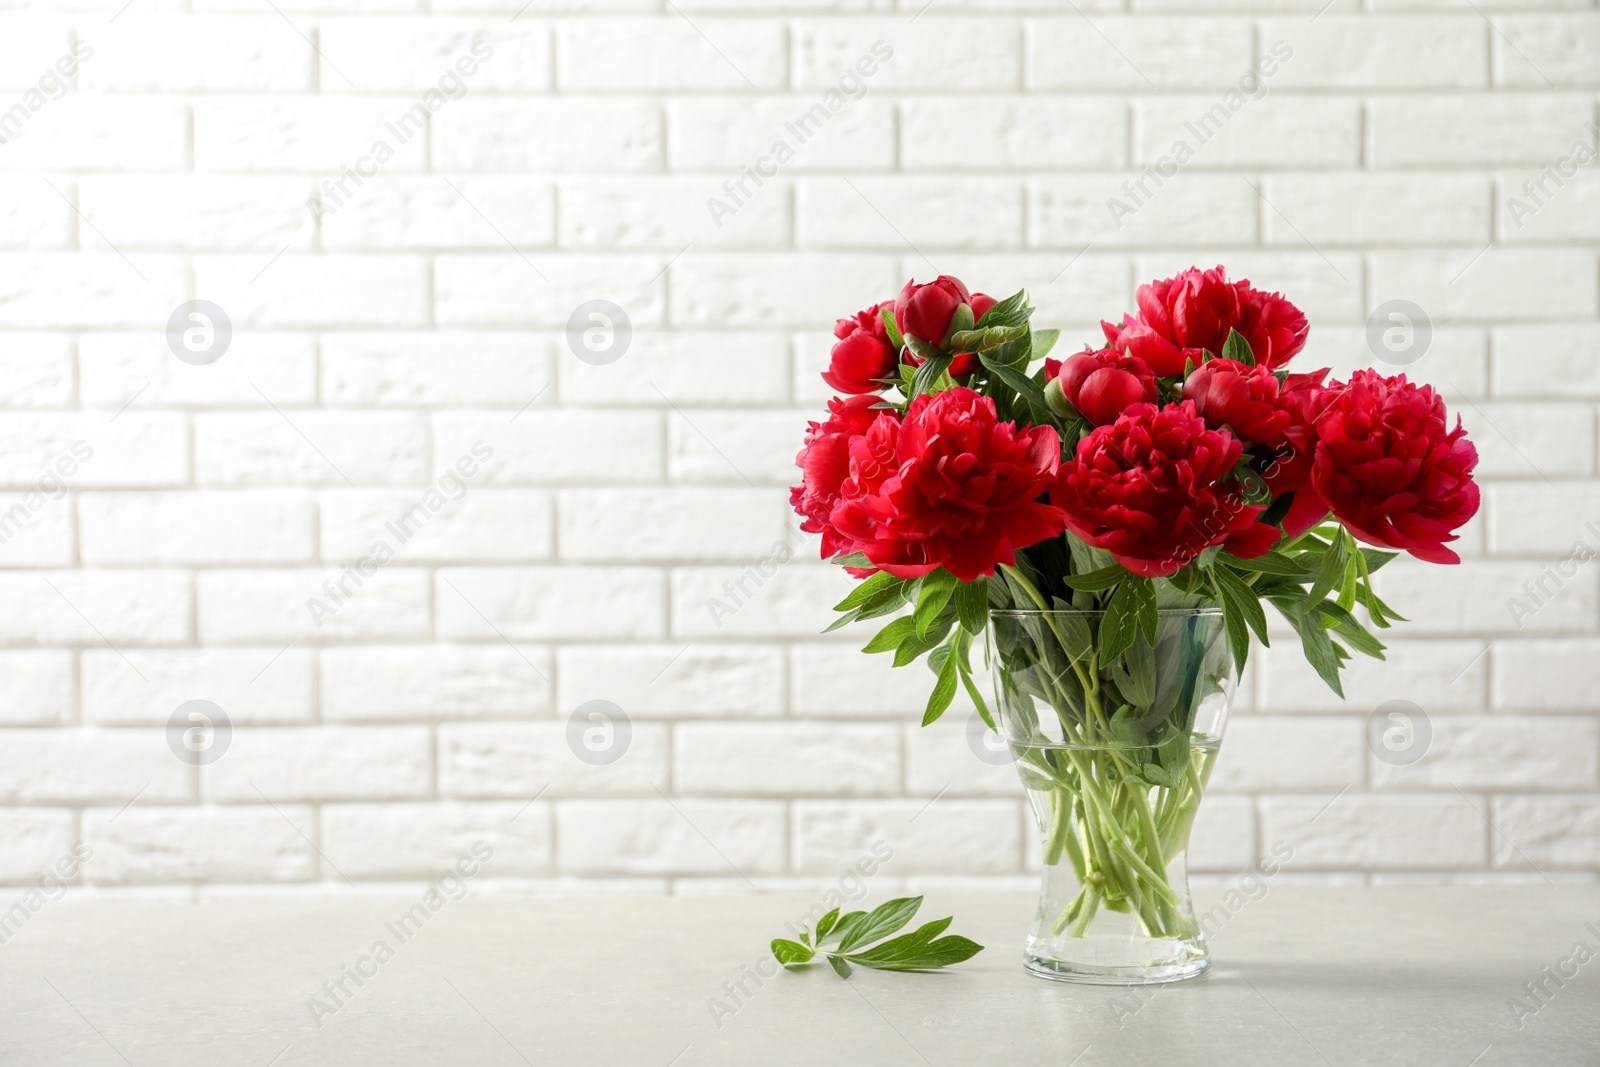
column 1415, row 976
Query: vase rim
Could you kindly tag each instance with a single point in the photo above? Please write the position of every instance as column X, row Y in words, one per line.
column 1019, row 612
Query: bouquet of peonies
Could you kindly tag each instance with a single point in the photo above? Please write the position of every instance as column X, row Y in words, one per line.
column 1101, row 519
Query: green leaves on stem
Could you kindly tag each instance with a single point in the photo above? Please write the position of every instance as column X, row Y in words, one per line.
column 849, row 939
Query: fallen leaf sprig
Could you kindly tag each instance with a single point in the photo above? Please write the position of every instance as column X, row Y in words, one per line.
column 844, row 941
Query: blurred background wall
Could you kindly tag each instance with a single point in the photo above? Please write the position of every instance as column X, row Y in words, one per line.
column 399, row 378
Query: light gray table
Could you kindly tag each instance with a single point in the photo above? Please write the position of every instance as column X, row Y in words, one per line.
column 1302, row 976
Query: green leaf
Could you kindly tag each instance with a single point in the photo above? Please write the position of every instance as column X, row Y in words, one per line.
column 914, row 646
column 972, row 605
column 854, row 559
column 1135, row 673
column 882, row 921
column 1237, row 595
column 892, row 328
column 1271, row 563
column 1331, row 574
column 790, row 953
column 941, row 953
column 825, row 924
column 842, row 928
column 937, row 589
column 944, row 690
column 1237, row 348
column 929, row 373
column 1025, row 386
column 1044, row 341
column 967, row 340
column 960, row 322
column 869, row 588
column 903, row 947
column 1147, row 607
column 1120, row 622
column 890, row 637
column 1106, row 578
column 1320, row 652
column 1004, row 312
column 840, row 967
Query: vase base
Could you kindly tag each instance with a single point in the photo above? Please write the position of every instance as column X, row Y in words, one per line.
column 1057, row 970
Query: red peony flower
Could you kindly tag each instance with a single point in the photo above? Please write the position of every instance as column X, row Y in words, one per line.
column 1275, row 328
column 950, row 486
column 862, row 354
column 1153, row 490
column 1242, row 398
column 825, row 465
column 980, row 304
column 924, row 311
column 1195, row 311
column 1102, row 385
column 1303, row 397
column 1391, row 468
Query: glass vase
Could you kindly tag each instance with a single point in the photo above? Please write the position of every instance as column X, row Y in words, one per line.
column 1115, row 755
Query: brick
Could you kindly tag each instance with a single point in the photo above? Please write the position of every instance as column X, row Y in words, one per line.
column 1537, row 51
column 89, row 289
column 36, row 371
column 1126, row 52
column 1534, row 209
column 138, row 370
column 1387, row 208
column 33, row 44
column 151, row 846
column 34, row 215
column 665, row 837
column 942, row 760
column 93, row 607
column 525, row 759
column 837, row 680
column 37, row 688
column 536, row 448
column 887, row 54
column 777, row 760
column 1502, row 284
column 91, row 766
column 966, row 213
column 540, row 603
column 310, row 448
column 702, row 445
column 1276, row 754
column 174, row 529
column 323, row 134
column 251, row 685
column 239, row 606
column 754, row 601
column 946, row 836
column 1530, row 441
column 730, row 134
column 735, row 368
column 1474, row 597
column 1538, row 675
column 367, row 841
column 429, row 682
column 435, row 369
column 952, row 133
column 704, row 211
column 35, row 840
column 1547, row 831
column 684, row 681
column 669, row 52
column 452, row 58
column 545, row 135
column 92, row 132
column 1501, row 753
column 1224, row 835
column 464, row 522
column 783, row 290
column 1440, row 676
column 1313, row 131
column 321, row 763
column 1378, row 832
column 89, row 451
column 501, row 290
column 1568, row 355
column 669, row 525
column 1122, row 210
column 396, row 211
column 344, row 290
column 1432, row 131
column 1532, row 518
column 190, row 53
column 35, row 530
column 1456, row 362
column 1396, row 51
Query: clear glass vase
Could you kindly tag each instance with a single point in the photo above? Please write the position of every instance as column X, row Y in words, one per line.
column 1115, row 757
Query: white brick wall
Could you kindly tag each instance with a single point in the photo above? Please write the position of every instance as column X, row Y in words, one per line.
column 571, row 524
